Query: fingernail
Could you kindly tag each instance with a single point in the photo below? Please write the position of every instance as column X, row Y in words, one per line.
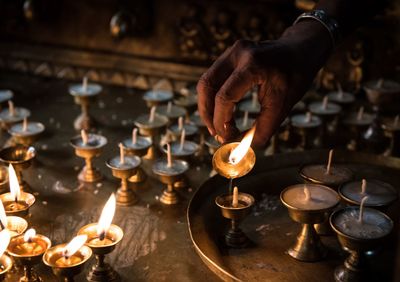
column 212, row 133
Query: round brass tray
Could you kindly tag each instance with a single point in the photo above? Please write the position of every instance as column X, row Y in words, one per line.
column 269, row 226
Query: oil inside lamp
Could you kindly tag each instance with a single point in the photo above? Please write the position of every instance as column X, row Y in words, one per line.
column 29, row 246
column 104, row 224
column 11, row 108
column 68, row 257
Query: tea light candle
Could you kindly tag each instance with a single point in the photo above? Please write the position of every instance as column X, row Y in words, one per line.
column 379, row 193
column 340, row 97
column 171, row 111
column 157, row 97
column 359, row 118
column 176, row 129
column 245, row 123
column 330, row 175
column 307, row 197
column 305, row 121
column 5, row 95
column 251, row 106
column 85, row 89
column 324, row 108
column 361, row 223
column 13, row 114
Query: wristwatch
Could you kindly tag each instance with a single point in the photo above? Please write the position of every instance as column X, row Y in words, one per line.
column 329, row 23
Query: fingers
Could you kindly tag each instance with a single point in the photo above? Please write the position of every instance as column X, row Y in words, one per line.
column 229, row 94
column 208, row 86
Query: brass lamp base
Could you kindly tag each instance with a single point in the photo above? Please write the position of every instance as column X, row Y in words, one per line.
column 308, row 246
column 169, row 196
column 102, row 272
column 89, row 175
column 353, row 269
column 126, row 197
column 236, row 238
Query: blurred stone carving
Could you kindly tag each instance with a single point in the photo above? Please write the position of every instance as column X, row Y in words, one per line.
column 223, row 32
column 355, row 57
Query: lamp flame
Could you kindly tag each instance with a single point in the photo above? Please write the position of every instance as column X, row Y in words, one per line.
column 72, row 247
column 3, row 216
column 4, row 241
column 106, row 217
column 15, row 190
column 241, row 150
column 29, row 235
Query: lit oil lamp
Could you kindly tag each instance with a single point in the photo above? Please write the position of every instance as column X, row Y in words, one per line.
column 235, row 207
column 88, row 146
column 137, row 146
column 27, row 132
column 152, row 125
column 309, row 204
column 187, row 100
column 27, row 250
column 102, row 237
column 307, row 126
column 16, row 202
column 359, row 230
column 235, row 159
column 5, row 261
column 14, row 224
column 380, row 194
column 357, row 122
column 124, row 167
column 83, row 94
column 176, row 129
column 21, row 158
column 252, row 106
column 68, row 260
column 157, row 97
column 169, row 172
column 13, row 115
column 171, row 111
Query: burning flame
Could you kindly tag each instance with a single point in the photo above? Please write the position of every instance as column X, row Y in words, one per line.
column 15, row 190
column 29, row 235
column 4, row 241
column 106, row 217
column 3, row 216
column 240, row 151
column 72, row 247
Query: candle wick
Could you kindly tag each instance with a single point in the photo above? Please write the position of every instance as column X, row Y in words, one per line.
column 25, row 125
column 245, row 118
column 363, row 186
column 360, row 113
column 379, row 84
column 328, row 166
column 169, row 107
column 169, row 157
column 235, row 197
column 152, row 114
column 183, row 136
column 11, row 108
column 307, row 193
column 121, row 154
column 180, row 123
column 340, row 90
column 84, row 137
column 85, row 83
column 254, row 99
column 360, row 217
column 308, row 117
column 325, row 102
column 134, row 136
column 102, row 236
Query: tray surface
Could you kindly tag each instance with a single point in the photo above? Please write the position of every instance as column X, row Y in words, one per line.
column 269, row 227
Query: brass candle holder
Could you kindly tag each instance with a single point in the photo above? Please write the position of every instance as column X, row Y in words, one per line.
column 357, row 123
column 175, row 130
column 5, row 266
column 307, row 127
column 13, row 115
column 83, row 95
column 124, row 170
column 235, row 237
column 137, row 146
column 102, row 271
column 26, row 133
column 27, row 250
column 170, row 172
column 21, row 158
column 359, row 237
column 88, row 149
column 309, row 204
column 64, row 267
column 17, row 207
column 152, row 125
column 171, row 111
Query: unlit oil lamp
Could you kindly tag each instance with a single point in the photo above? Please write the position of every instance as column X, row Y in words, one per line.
column 152, row 125
column 83, row 95
column 357, row 122
column 124, row 167
column 169, row 172
column 16, row 202
column 309, row 204
column 235, row 207
column 21, row 158
column 245, row 123
column 236, row 159
column 5, row 261
column 13, row 115
column 157, row 97
column 27, row 250
column 14, row 224
column 380, row 194
column 137, row 146
column 88, row 146
column 176, row 129
column 171, row 111
column 307, row 126
column 359, row 230
column 392, row 128
column 340, row 97
column 27, row 132
column 68, row 260
column 102, row 237
column 251, row 106
column 187, row 100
